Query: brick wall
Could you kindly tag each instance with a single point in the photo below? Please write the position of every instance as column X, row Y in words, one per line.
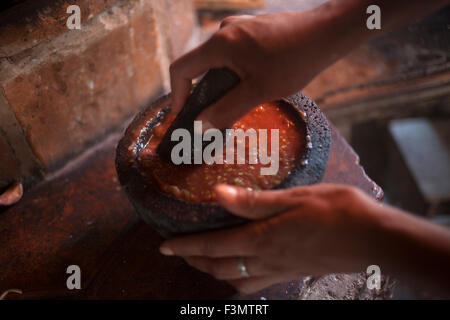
column 62, row 90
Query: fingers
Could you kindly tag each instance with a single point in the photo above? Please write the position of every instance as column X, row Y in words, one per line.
column 239, row 241
column 191, row 65
column 233, row 105
column 260, row 276
column 227, row 268
column 258, row 204
column 210, row 55
column 255, row 284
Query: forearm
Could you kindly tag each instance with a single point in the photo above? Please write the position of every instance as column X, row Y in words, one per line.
column 405, row 246
column 413, row 249
column 352, row 15
column 340, row 25
column 291, row 47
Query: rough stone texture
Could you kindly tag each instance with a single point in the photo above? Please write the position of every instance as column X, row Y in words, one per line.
column 344, row 287
column 65, row 89
column 171, row 216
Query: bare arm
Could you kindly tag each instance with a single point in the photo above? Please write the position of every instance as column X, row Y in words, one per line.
column 278, row 54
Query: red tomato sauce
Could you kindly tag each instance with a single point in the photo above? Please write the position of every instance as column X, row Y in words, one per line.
column 195, row 182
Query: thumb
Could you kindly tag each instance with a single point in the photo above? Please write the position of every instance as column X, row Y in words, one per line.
column 252, row 204
column 232, row 106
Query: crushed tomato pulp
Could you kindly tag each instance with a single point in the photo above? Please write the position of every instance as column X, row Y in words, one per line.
column 195, row 182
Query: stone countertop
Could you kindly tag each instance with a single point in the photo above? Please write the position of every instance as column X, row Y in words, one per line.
column 81, row 216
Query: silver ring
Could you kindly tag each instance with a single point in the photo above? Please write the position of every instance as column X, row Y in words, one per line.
column 242, row 268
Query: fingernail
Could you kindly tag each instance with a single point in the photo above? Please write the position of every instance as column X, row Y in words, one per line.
column 166, row 251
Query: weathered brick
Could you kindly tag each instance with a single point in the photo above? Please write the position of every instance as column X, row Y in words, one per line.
column 182, row 25
column 39, row 21
column 65, row 89
column 149, row 57
column 72, row 99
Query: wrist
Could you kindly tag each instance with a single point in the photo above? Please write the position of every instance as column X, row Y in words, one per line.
column 413, row 249
column 332, row 29
column 346, row 20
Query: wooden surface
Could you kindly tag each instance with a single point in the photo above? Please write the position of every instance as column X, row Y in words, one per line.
column 82, row 217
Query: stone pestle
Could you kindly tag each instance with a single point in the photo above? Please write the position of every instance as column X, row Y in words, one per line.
column 214, row 85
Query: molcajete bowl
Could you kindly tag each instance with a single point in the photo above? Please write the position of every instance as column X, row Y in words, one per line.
column 171, row 216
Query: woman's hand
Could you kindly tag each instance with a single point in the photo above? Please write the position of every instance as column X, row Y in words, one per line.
column 297, row 232
column 316, row 230
column 275, row 55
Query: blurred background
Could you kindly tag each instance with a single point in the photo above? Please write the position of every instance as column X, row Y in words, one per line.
column 64, row 91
